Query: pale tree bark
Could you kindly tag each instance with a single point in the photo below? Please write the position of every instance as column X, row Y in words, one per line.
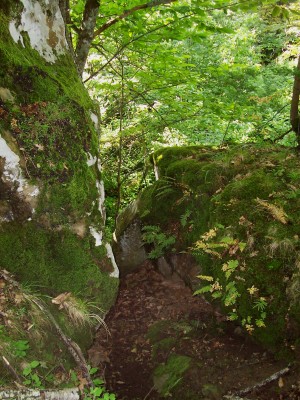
column 86, row 33
column 64, row 6
column 37, row 394
column 294, row 114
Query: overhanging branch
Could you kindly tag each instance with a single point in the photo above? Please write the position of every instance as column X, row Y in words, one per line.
column 131, row 11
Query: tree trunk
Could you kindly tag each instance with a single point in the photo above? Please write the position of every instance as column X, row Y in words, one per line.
column 51, row 192
column 294, row 113
column 86, row 33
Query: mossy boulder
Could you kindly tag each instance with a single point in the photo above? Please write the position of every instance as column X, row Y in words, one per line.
column 51, row 203
column 236, row 210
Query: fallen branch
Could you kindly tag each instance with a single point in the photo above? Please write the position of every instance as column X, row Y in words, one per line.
column 72, row 347
column 37, row 394
column 234, row 397
column 11, row 370
column 249, row 389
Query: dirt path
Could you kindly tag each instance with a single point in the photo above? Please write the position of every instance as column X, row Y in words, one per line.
column 157, row 325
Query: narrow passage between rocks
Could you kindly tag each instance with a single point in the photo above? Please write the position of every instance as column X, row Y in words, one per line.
column 165, row 342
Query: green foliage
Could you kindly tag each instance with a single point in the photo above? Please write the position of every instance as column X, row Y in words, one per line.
column 218, row 77
column 159, row 240
column 20, row 348
column 32, row 379
column 226, row 287
column 98, row 391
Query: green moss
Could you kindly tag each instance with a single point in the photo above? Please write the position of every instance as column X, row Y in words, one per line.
column 44, row 81
column 50, row 119
column 56, row 262
column 169, row 375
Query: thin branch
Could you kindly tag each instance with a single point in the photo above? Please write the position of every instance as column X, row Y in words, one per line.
column 131, row 11
column 282, row 136
column 72, row 346
column 119, row 51
column 263, row 383
column 120, row 148
column 140, row 95
column 12, row 370
column 123, row 47
column 294, row 111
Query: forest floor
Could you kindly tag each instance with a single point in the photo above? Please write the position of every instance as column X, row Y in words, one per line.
column 155, row 318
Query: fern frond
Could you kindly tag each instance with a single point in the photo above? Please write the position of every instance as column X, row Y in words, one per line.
column 276, row 212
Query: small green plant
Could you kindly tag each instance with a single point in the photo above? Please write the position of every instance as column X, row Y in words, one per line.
column 185, row 218
column 161, row 242
column 226, row 287
column 32, row 378
column 20, row 348
column 98, row 392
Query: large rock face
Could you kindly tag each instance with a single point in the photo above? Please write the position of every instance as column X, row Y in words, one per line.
column 236, row 211
column 51, row 194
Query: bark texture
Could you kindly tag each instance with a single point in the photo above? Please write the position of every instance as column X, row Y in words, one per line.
column 294, row 114
column 86, row 33
column 28, row 394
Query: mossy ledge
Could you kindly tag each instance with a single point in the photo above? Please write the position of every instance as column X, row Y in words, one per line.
column 247, row 198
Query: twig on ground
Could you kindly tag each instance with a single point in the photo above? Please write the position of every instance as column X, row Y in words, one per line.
column 148, row 394
column 12, row 370
column 272, row 378
column 72, row 347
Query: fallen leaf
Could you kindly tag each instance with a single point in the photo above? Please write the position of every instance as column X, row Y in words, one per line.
column 40, row 147
column 18, row 298
column 61, row 298
column 280, row 382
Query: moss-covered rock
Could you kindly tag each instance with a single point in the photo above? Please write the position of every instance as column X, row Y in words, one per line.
column 237, row 211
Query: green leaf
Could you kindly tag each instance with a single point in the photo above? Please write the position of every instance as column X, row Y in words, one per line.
column 34, row 364
column 92, row 371
column 242, row 246
column 204, row 289
column 97, row 391
column 98, row 381
column 233, row 264
column 26, row 371
column 276, row 11
column 227, row 240
column 217, row 295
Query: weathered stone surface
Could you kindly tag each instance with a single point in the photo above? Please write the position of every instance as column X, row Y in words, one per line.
column 128, row 248
column 180, row 267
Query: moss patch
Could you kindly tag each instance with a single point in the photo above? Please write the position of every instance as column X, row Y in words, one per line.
column 56, row 262
column 168, row 376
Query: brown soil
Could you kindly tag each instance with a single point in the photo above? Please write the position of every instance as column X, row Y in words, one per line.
column 155, row 318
